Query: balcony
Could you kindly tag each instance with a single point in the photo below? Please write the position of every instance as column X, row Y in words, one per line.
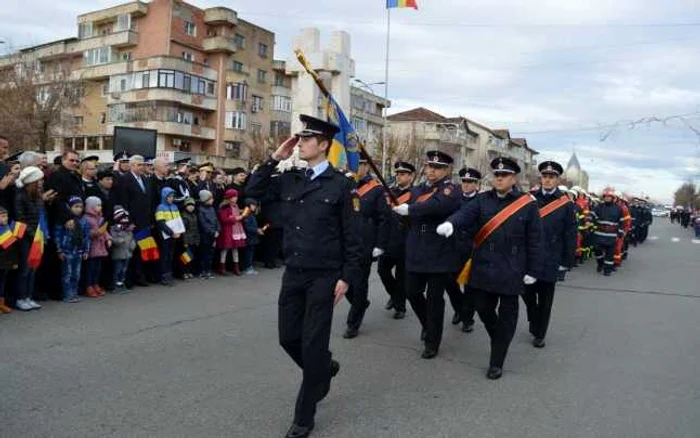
column 101, row 71
column 220, row 15
column 174, row 63
column 219, row 44
column 136, row 9
column 125, row 38
column 169, row 128
column 164, row 94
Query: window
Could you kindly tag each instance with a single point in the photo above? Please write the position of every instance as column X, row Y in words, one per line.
column 188, row 56
column 280, row 129
column 166, row 78
column 262, row 76
column 190, row 28
column 184, row 117
column 282, row 103
column 239, row 41
column 78, row 120
column 262, row 50
column 122, row 85
column 236, row 120
column 123, row 22
column 256, row 130
column 257, row 104
column 233, row 148
column 210, row 88
column 105, row 89
column 85, row 30
column 237, row 91
column 97, row 56
column 126, row 56
column 237, row 67
column 279, row 79
column 146, row 80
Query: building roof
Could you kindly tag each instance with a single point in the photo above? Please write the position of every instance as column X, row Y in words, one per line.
column 502, row 133
column 460, row 120
column 418, row 115
column 573, row 162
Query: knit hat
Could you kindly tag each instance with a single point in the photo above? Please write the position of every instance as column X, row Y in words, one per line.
column 104, row 174
column 205, row 195
column 93, row 201
column 237, row 170
column 29, row 175
column 231, row 193
column 3, row 210
column 188, row 201
column 121, row 216
column 75, row 200
column 251, row 201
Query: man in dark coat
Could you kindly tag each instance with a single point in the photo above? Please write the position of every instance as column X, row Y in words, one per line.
column 431, row 260
column 558, row 215
column 323, row 257
column 179, row 182
column 506, row 260
column 394, row 257
column 66, row 182
column 238, row 180
column 471, row 179
column 88, row 176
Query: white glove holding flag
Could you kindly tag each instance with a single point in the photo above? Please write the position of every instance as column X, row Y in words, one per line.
column 528, row 280
column 377, row 252
column 445, row 229
column 561, row 268
column 401, row 210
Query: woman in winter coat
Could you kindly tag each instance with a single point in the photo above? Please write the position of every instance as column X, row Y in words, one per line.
column 100, row 241
column 232, row 235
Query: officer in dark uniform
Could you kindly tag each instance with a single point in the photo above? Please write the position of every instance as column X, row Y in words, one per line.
column 505, row 261
column 375, row 214
column 179, row 181
column 394, row 257
column 471, row 178
column 609, row 223
column 323, row 250
column 430, row 259
column 559, row 225
column 88, row 180
column 121, row 167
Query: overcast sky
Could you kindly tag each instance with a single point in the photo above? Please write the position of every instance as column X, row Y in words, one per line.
column 567, row 75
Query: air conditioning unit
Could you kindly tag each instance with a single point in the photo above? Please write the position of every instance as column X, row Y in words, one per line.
column 116, row 95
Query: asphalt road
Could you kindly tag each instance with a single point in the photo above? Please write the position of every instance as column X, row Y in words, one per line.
column 202, row 360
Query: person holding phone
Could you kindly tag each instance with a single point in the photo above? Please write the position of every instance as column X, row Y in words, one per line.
column 323, row 251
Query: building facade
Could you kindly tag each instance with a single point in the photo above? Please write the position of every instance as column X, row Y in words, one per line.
column 203, row 78
column 367, row 116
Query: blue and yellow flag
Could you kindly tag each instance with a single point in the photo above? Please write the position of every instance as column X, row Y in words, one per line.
column 345, row 152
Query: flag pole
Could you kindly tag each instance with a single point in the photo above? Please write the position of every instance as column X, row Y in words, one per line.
column 363, row 151
column 386, row 91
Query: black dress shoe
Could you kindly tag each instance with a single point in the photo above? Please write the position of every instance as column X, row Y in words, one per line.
column 399, row 314
column 606, row 273
column 599, row 268
column 350, row 333
column 538, row 343
column 468, row 327
column 456, row 319
column 335, row 368
column 494, row 373
column 389, row 304
column 422, row 335
column 429, row 352
column 297, row 431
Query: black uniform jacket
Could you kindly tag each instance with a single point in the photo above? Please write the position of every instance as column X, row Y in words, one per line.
column 137, row 202
column 559, row 234
column 375, row 214
column 396, row 228
column 509, row 253
column 321, row 218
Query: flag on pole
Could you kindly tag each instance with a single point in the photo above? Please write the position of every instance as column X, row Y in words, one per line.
column 147, row 245
column 36, row 251
column 344, row 153
column 401, row 4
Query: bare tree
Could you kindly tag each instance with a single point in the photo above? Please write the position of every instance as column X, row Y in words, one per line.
column 687, row 196
column 259, row 148
column 37, row 101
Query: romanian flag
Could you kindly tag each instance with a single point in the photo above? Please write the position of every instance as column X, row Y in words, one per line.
column 36, row 251
column 401, row 4
column 147, row 245
column 345, row 152
column 7, row 238
column 186, row 257
column 103, row 227
column 18, row 229
column 265, row 227
column 246, row 212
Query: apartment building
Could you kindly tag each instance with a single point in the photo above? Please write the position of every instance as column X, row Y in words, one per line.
column 203, row 78
column 367, row 116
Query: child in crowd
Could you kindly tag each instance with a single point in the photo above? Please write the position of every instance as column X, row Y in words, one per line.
column 123, row 246
column 73, row 246
column 208, row 232
column 232, row 234
column 253, row 233
column 8, row 255
column 169, row 223
column 191, row 238
column 100, row 242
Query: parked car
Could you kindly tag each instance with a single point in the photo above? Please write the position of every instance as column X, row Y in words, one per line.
column 659, row 212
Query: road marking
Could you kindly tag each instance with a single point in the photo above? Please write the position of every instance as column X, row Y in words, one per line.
column 696, row 241
column 654, row 238
column 675, row 239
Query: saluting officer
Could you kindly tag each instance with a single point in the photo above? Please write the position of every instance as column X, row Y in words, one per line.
column 507, row 251
column 431, row 260
column 323, row 250
column 375, row 213
column 179, row 181
column 121, row 165
column 394, row 257
column 559, row 225
column 471, row 178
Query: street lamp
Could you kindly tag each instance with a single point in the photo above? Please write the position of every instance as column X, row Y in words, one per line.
column 368, row 86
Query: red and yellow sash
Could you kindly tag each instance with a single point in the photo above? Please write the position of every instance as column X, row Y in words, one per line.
column 362, row 191
column 492, row 225
column 553, row 206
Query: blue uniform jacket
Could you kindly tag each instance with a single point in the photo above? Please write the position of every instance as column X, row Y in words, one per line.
column 465, row 239
column 609, row 223
column 426, row 251
column 396, row 230
column 512, row 251
column 559, row 234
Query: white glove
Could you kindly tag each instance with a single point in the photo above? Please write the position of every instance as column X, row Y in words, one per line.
column 529, row 280
column 445, row 229
column 401, row 210
column 377, row 252
column 561, row 268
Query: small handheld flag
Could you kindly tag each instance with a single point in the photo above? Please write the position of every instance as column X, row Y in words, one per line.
column 18, row 229
column 147, row 245
column 36, row 251
column 7, row 238
column 246, row 212
column 186, row 257
column 401, row 4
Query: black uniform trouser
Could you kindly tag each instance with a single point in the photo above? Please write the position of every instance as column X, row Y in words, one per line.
column 454, row 293
column 644, row 233
column 271, row 246
column 394, row 282
column 538, row 299
column 430, row 310
column 605, row 254
column 468, row 306
column 357, row 296
column 500, row 326
column 305, row 315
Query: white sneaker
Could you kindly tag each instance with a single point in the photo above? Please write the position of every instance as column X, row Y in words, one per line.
column 33, row 303
column 24, row 305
